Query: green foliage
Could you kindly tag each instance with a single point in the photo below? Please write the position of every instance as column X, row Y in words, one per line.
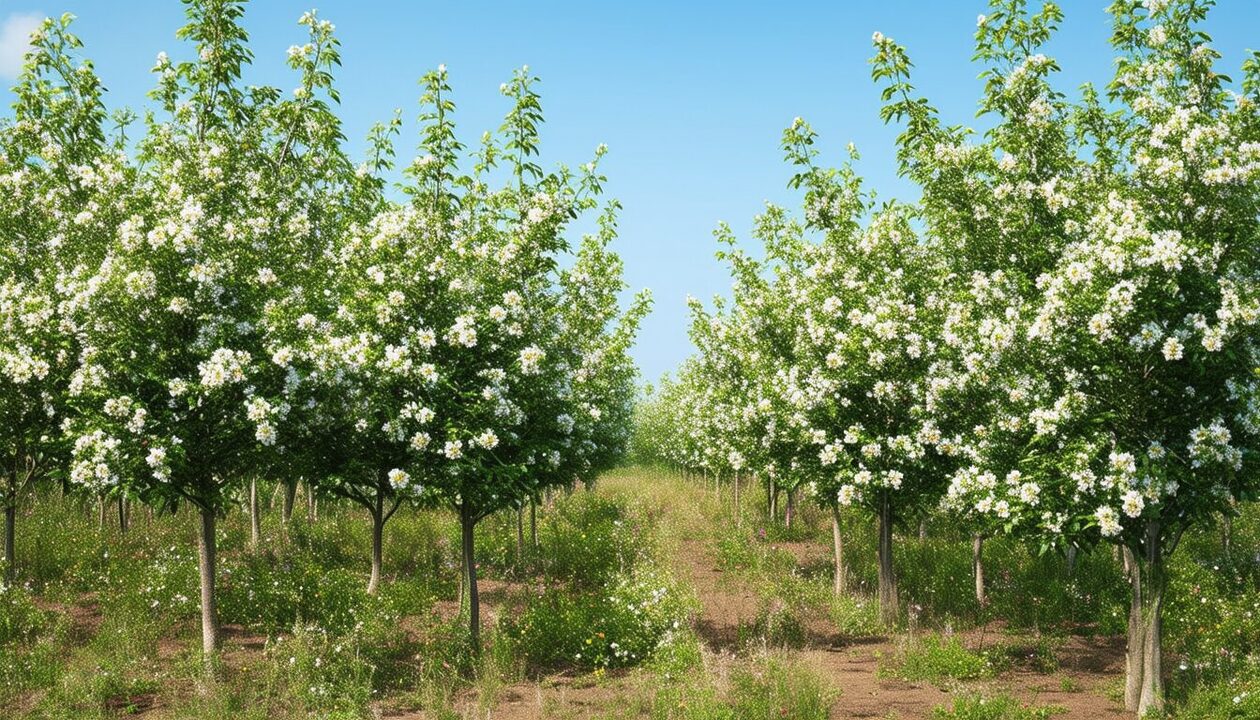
column 776, row 626
column 621, row 625
column 321, row 672
column 936, row 660
column 20, row 619
column 766, row 686
column 854, row 616
column 1224, row 698
column 776, row 689
column 584, row 539
column 999, row 707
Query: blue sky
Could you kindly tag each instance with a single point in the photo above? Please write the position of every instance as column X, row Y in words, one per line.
column 690, row 97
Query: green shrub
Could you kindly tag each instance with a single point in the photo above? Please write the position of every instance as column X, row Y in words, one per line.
column 32, row 644
column 273, row 594
column 776, row 689
column 20, row 619
column 776, row 626
column 764, row 687
column 854, row 616
column 1000, row 707
column 620, row 626
column 934, row 660
column 675, row 659
column 315, row 672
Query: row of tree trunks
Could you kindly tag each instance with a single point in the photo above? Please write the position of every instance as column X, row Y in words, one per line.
column 1145, row 573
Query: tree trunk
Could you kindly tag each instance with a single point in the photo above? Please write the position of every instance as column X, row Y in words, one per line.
column 100, row 503
column 977, row 566
column 378, row 538
column 533, row 524
column 467, row 524
column 209, row 611
column 737, row 513
column 922, row 529
column 838, row 544
column 1071, row 560
column 520, row 535
column 463, row 578
column 887, row 580
column 789, row 513
column 1133, row 666
column 312, row 509
column 122, row 514
column 10, row 548
column 1151, row 701
column 773, row 492
column 255, row 518
column 290, row 494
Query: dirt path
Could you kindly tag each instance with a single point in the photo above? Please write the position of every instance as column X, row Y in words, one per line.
column 851, row 666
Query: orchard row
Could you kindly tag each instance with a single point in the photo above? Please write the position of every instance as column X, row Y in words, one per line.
column 217, row 293
column 1057, row 340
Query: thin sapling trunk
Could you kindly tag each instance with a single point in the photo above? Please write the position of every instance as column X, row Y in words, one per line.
column 209, row 609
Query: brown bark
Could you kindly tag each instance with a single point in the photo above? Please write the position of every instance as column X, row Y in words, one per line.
column 467, row 525
column 378, row 542
column 1133, row 666
column 1151, row 700
column 837, row 539
column 789, row 512
column 888, row 611
column 255, row 517
column 290, row 494
column 209, row 610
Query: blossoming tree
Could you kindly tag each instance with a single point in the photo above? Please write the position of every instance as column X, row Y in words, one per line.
column 63, row 191
column 1107, row 299
column 175, row 394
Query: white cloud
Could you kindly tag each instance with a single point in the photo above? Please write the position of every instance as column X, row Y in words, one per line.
column 15, row 38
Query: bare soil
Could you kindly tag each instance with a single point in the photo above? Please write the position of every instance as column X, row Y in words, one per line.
column 851, row 665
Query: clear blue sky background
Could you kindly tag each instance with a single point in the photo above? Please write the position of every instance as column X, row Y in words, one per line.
column 690, row 97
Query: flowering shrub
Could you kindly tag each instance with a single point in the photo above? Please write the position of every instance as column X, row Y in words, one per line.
column 321, row 672
column 620, row 625
column 20, row 619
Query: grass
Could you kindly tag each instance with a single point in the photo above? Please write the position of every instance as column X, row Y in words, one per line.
column 103, row 624
column 938, row 659
column 766, row 685
column 998, row 707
